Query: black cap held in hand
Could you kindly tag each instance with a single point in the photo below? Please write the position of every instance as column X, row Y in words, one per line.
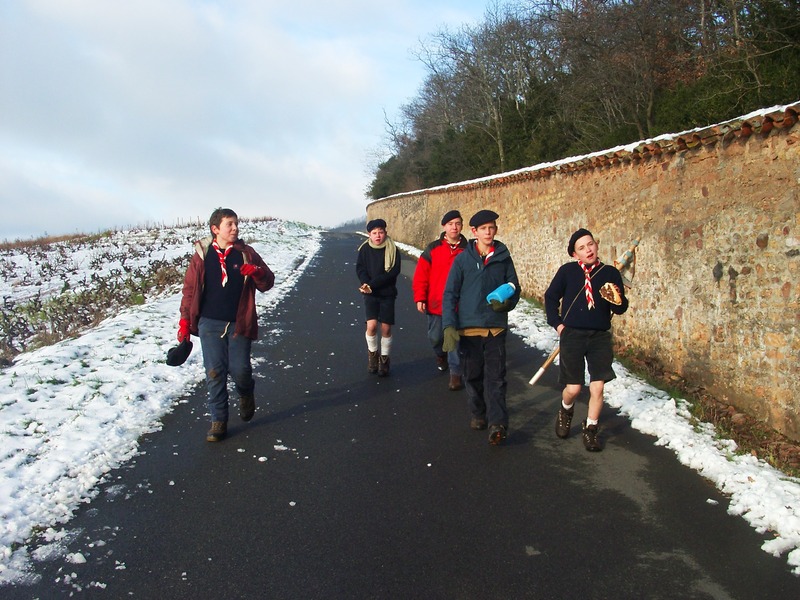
column 178, row 355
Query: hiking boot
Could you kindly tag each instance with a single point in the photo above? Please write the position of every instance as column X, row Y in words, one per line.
column 563, row 421
column 217, row 431
column 247, row 407
column 441, row 362
column 497, row 434
column 383, row 366
column 455, row 383
column 590, row 438
column 477, row 424
column 372, row 361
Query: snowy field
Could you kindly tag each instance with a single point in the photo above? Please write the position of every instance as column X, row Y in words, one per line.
column 73, row 411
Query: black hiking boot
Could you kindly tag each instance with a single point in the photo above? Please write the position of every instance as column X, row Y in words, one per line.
column 372, row 361
column 590, row 438
column 563, row 421
column 383, row 366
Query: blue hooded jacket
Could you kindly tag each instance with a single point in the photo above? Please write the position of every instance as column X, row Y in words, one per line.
column 470, row 280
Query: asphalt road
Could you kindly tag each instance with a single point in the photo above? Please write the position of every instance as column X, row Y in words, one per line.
column 345, row 485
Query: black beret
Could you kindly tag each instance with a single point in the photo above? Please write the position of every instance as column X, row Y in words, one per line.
column 450, row 215
column 178, row 355
column 575, row 237
column 482, row 217
column 376, row 223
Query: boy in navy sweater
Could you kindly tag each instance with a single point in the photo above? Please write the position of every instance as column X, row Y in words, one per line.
column 579, row 304
column 377, row 267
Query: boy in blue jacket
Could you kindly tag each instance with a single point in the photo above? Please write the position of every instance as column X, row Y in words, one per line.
column 579, row 303
column 479, row 328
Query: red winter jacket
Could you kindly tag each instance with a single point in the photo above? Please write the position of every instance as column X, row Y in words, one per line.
column 431, row 273
column 246, row 317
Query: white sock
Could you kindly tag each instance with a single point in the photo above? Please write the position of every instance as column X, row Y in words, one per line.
column 567, row 407
column 386, row 346
column 591, row 422
column 372, row 342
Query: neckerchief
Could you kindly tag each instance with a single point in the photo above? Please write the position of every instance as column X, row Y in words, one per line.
column 488, row 254
column 587, row 285
column 222, row 256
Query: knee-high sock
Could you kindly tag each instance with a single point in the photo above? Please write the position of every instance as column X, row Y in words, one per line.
column 372, row 342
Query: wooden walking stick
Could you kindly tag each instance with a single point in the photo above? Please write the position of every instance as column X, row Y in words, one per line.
column 625, row 262
column 545, row 364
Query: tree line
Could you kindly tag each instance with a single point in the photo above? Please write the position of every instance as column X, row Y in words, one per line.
column 540, row 80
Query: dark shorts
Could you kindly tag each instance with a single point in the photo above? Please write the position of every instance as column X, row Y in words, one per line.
column 380, row 308
column 593, row 347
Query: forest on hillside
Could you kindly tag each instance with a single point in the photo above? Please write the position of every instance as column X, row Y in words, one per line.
column 540, row 80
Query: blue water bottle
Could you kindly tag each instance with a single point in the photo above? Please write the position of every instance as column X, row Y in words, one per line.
column 502, row 293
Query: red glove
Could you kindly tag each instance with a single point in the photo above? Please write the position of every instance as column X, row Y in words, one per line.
column 183, row 330
column 252, row 270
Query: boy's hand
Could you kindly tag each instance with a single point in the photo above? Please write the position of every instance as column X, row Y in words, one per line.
column 365, row 289
column 252, row 270
column 498, row 306
column 183, row 330
column 451, row 338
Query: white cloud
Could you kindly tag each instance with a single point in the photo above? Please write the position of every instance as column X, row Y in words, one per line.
column 150, row 109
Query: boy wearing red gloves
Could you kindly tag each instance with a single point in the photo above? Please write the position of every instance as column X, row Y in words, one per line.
column 218, row 305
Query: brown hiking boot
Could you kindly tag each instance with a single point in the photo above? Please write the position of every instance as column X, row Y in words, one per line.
column 372, row 361
column 441, row 362
column 247, row 407
column 383, row 366
column 217, row 431
column 563, row 421
column 477, row 424
column 590, row 438
column 497, row 435
column 455, row 383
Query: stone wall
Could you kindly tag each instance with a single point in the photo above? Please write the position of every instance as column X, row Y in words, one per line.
column 716, row 290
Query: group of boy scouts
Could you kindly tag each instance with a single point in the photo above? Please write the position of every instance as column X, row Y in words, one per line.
column 464, row 287
column 456, row 285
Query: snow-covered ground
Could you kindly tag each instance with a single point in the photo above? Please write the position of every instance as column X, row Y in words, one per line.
column 72, row 412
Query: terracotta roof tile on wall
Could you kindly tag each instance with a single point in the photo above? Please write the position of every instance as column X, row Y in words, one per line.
column 758, row 123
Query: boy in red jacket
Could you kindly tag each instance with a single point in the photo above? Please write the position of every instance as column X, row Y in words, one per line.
column 219, row 305
column 428, row 284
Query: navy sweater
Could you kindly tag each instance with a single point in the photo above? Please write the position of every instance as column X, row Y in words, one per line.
column 568, row 284
column 370, row 269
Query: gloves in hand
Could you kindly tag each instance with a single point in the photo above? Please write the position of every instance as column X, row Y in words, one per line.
column 498, row 306
column 451, row 338
column 251, row 270
column 183, row 330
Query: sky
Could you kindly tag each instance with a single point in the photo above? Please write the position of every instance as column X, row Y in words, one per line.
column 62, row 436
column 116, row 114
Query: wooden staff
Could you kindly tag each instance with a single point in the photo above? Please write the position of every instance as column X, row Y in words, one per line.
column 546, row 364
column 627, row 260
